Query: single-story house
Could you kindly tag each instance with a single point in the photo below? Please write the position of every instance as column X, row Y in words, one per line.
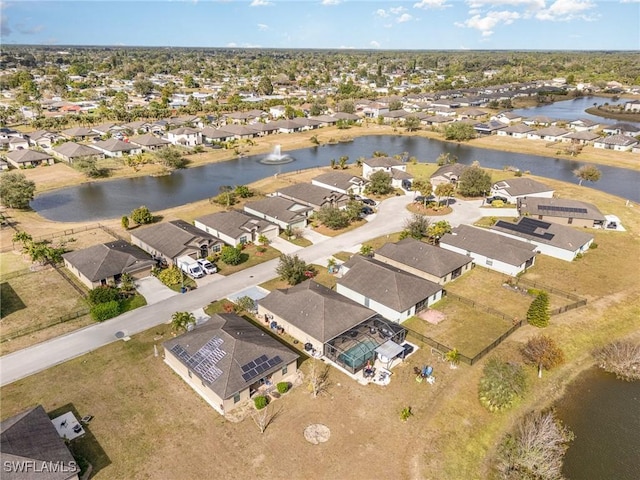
column 184, row 136
column 502, row 254
column 491, row 127
column 551, row 239
column 423, row 260
column 518, row 187
column 519, row 130
column 170, row 240
column 313, row 196
column 561, row 210
column 107, row 128
column 507, row 118
column 584, row 125
column 28, row 158
column 117, row 148
column 447, row 174
column 549, row 134
column 539, row 121
column 227, row 360
column 80, row 133
column 235, row 228
column 137, row 127
column 340, row 182
column 393, row 293
column 385, row 164
column 240, row 131
column 30, row 440
column 619, row 143
column 103, row 264
column 622, row 129
column 149, row 142
column 41, row 138
column 281, row 211
column 70, row 151
column 328, row 323
column 210, row 134
column 582, row 137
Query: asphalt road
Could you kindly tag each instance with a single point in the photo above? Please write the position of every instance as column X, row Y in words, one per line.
column 390, row 218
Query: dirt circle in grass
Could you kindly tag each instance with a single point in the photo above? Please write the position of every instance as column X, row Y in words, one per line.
column 317, row 433
column 417, row 208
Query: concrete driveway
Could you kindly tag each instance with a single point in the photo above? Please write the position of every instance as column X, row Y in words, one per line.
column 153, row 290
column 284, row 246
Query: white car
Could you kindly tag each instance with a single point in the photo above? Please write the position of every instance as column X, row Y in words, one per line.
column 207, row 266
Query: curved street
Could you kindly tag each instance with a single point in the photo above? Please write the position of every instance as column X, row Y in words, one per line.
column 390, row 218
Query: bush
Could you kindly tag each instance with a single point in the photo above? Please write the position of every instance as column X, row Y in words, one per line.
column 104, row 294
column 260, row 402
column 621, row 358
column 232, row 255
column 105, row 311
column 283, row 387
column 538, row 313
column 170, row 276
column 593, row 246
column 497, row 204
column 141, row 215
column 501, row 383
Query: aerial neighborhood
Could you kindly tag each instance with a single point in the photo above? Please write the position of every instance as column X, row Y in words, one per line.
column 192, row 249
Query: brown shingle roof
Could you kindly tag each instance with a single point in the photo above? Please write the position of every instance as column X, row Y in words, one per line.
column 173, row 238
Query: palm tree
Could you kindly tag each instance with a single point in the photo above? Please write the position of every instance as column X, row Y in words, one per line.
column 453, row 357
column 180, row 321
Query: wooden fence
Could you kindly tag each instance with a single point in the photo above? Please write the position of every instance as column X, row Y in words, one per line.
column 42, row 326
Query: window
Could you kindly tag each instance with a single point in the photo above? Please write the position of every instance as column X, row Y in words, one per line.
column 216, row 248
column 236, row 397
column 489, row 262
column 284, row 370
column 570, row 221
column 189, row 373
column 243, row 239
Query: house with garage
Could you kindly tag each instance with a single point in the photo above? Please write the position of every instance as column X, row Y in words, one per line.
column 236, row 228
column 507, row 118
column 621, row 129
column 393, row 293
column 619, row 143
column 327, row 323
column 211, row 135
column 447, row 174
column 78, row 133
column 285, row 213
column 70, row 151
column 514, row 188
column 491, row 127
column 138, row 127
column 391, row 166
column 490, row 250
column 423, row 260
column 169, row 240
column 117, row 148
column 28, row 158
column 31, row 441
column 104, row 264
column 340, row 182
column 584, row 125
column 548, row 134
column 519, row 130
column 313, row 196
column 551, row 239
column 42, row 138
column 240, row 132
column 149, row 142
column 228, row 361
column 584, row 137
column 563, row 211
column 184, row 136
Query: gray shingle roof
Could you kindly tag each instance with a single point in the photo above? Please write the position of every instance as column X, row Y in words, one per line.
column 241, row 342
column 522, row 186
column 31, row 437
column 23, row 156
column 386, row 285
column 115, row 145
column 531, row 206
column 234, row 223
column 104, row 261
column 316, row 310
column 280, row 208
column 173, row 238
column 489, row 244
column 149, row 140
column 378, row 162
column 455, row 169
column 75, row 150
column 560, row 236
column 419, row 255
column 340, row 180
column 312, row 194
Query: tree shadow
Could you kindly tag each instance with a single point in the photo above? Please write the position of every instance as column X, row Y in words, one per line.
column 86, row 449
column 10, row 301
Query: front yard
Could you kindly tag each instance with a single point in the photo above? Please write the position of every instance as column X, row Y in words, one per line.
column 323, row 277
column 251, row 257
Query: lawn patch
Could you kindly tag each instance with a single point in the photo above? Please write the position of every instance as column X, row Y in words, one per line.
column 10, row 301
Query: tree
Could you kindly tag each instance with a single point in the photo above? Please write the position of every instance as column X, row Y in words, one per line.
column 622, row 358
column 459, row 131
column 232, row 255
column 446, row 159
column 437, row 230
column 590, row 173
column 342, row 162
column 293, row 269
column 170, row 157
column 318, row 378
column 180, row 321
column 395, row 105
column 124, row 221
column 141, row 215
column 412, row 123
column 445, row 190
column 333, row 217
column 246, row 303
column 243, row 191
column 501, row 383
column 15, row 190
column 474, row 182
column 535, row 450
column 353, row 210
column 542, row 351
column 103, row 294
column 453, row 357
column 265, row 87
column 379, row 183
column 347, row 106
column 417, row 226
column 265, row 417
column 22, row 237
column 538, row 313
column 263, row 240
column 424, row 187
column 89, row 166
column 366, row 250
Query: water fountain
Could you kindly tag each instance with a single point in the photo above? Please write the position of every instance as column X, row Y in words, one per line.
column 276, row 157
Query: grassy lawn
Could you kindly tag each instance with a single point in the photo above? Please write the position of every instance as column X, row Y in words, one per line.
column 12, row 262
column 186, row 282
column 422, row 171
column 301, row 241
column 133, row 302
column 430, row 212
column 323, row 277
column 332, row 233
column 252, row 258
column 378, row 242
column 454, row 330
column 343, row 256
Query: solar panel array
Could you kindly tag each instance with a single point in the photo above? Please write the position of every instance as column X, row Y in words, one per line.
column 204, row 361
column 527, row 226
column 555, row 208
column 258, row 366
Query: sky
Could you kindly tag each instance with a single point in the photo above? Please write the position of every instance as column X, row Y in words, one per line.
column 328, row 24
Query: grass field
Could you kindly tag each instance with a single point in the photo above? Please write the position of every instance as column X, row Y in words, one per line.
column 323, row 277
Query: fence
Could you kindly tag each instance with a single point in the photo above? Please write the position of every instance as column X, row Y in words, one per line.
column 546, row 288
column 42, row 326
column 70, row 280
column 16, row 274
column 478, row 306
column 64, row 233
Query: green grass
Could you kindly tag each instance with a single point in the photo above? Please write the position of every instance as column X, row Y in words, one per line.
column 422, row 171
column 301, row 241
column 323, row 277
column 133, row 302
column 187, row 282
column 253, row 257
column 343, row 256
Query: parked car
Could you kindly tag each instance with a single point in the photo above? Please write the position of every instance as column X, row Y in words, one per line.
column 207, row 266
column 368, row 201
column 490, row 200
column 423, row 199
column 367, row 210
column 612, row 225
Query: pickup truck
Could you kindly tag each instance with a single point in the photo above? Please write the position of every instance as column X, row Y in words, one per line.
column 190, row 266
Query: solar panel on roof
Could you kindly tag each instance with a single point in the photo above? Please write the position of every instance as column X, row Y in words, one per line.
column 204, row 361
column 245, row 368
column 246, row 377
column 263, row 358
column 260, row 365
column 527, row 226
column 556, row 208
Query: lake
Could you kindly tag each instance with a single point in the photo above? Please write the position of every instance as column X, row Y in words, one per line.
column 604, row 415
column 111, row 199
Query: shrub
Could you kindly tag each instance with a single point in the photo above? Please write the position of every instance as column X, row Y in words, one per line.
column 141, row 215
column 621, row 358
column 170, row 276
column 593, row 246
column 232, row 255
column 260, row 402
column 538, row 313
column 104, row 294
column 105, row 311
column 500, row 385
column 405, row 413
column 283, row 387
column 497, row 204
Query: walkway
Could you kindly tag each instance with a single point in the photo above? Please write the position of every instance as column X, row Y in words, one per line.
column 391, row 217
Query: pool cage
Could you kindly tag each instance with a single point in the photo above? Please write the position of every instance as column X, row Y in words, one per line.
column 355, row 347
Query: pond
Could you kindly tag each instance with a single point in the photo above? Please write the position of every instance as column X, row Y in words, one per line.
column 604, row 415
column 112, row 199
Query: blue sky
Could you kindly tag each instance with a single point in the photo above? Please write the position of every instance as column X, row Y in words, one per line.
column 332, row 24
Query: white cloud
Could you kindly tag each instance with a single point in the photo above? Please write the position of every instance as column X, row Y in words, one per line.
column 374, row 44
column 260, row 3
column 344, row 47
column 426, row 4
column 565, row 10
column 232, row 45
column 23, row 29
column 381, row 12
column 262, row 27
column 405, row 17
column 530, row 4
column 397, row 10
column 330, row 2
column 629, row 1
column 485, row 24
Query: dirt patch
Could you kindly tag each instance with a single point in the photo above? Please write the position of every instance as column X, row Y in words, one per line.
column 317, row 433
column 432, row 316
